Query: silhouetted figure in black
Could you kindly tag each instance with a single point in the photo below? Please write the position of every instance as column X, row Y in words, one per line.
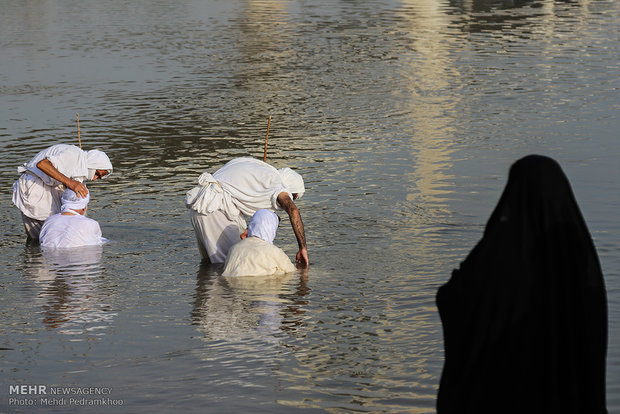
column 525, row 316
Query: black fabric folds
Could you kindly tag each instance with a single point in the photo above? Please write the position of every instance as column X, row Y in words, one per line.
column 525, row 316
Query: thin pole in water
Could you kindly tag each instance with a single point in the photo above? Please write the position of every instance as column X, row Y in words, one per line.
column 267, row 139
column 78, row 124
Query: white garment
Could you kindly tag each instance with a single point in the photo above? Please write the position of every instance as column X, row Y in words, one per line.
column 64, row 231
column 245, row 185
column 292, row 181
column 36, row 194
column 71, row 201
column 256, row 257
column 68, row 159
column 264, row 225
column 32, row 226
column 241, row 187
column 35, row 199
column 98, row 160
column 215, row 234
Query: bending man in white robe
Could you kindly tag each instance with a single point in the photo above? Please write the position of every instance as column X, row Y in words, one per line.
column 43, row 179
column 256, row 255
column 71, row 228
column 241, row 187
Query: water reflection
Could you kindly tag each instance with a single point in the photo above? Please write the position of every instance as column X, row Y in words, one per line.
column 428, row 73
column 517, row 18
column 394, row 112
column 70, row 293
column 242, row 308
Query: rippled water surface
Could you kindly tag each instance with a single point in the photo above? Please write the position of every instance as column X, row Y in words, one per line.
column 402, row 116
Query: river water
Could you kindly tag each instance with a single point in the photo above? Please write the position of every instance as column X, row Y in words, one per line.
column 402, row 116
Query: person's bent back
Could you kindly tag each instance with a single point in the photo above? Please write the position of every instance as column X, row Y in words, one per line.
column 70, row 228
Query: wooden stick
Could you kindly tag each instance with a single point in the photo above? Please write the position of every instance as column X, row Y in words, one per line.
column 266, row 140
column 78, row 123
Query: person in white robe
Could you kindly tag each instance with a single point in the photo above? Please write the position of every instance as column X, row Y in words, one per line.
column 43, row 179
column 220, row 202
column 70, row 228
column 255, row 254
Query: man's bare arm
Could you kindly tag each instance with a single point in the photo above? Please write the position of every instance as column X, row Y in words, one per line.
column 298, row 227
column 48, row 168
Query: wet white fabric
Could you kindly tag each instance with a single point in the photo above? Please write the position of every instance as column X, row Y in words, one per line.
column 246, row 185
column 264, row 225
column 65, row 231
column 293, row 181
column 32, row 226
column 35, row 199
column 67, row 159
column 256, row 257
column 36, row 194
column 215, row 234
column 71, row 201
column 240, row 188
column 209, row 196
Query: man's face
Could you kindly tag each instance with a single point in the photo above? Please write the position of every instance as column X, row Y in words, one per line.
column 100, row 174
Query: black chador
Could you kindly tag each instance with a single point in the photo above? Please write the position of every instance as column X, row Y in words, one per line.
column 525, row 316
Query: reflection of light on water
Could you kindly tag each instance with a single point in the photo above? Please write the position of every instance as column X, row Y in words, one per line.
column 426, row 80
column 245, row 324
column 69, row 290
column 359, row 109
column 428, row 97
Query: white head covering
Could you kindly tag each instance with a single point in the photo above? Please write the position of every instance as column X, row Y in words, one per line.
column 264, row 225
column 97, row 160
column 71, row 201
column 292, row 181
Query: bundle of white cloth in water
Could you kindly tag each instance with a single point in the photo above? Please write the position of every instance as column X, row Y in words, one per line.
column 70, row 230
column 256, row 255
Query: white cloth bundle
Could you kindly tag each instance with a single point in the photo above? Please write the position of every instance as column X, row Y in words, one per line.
column 209, row 196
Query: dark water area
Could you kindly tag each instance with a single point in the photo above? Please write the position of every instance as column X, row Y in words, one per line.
column 403, row 118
